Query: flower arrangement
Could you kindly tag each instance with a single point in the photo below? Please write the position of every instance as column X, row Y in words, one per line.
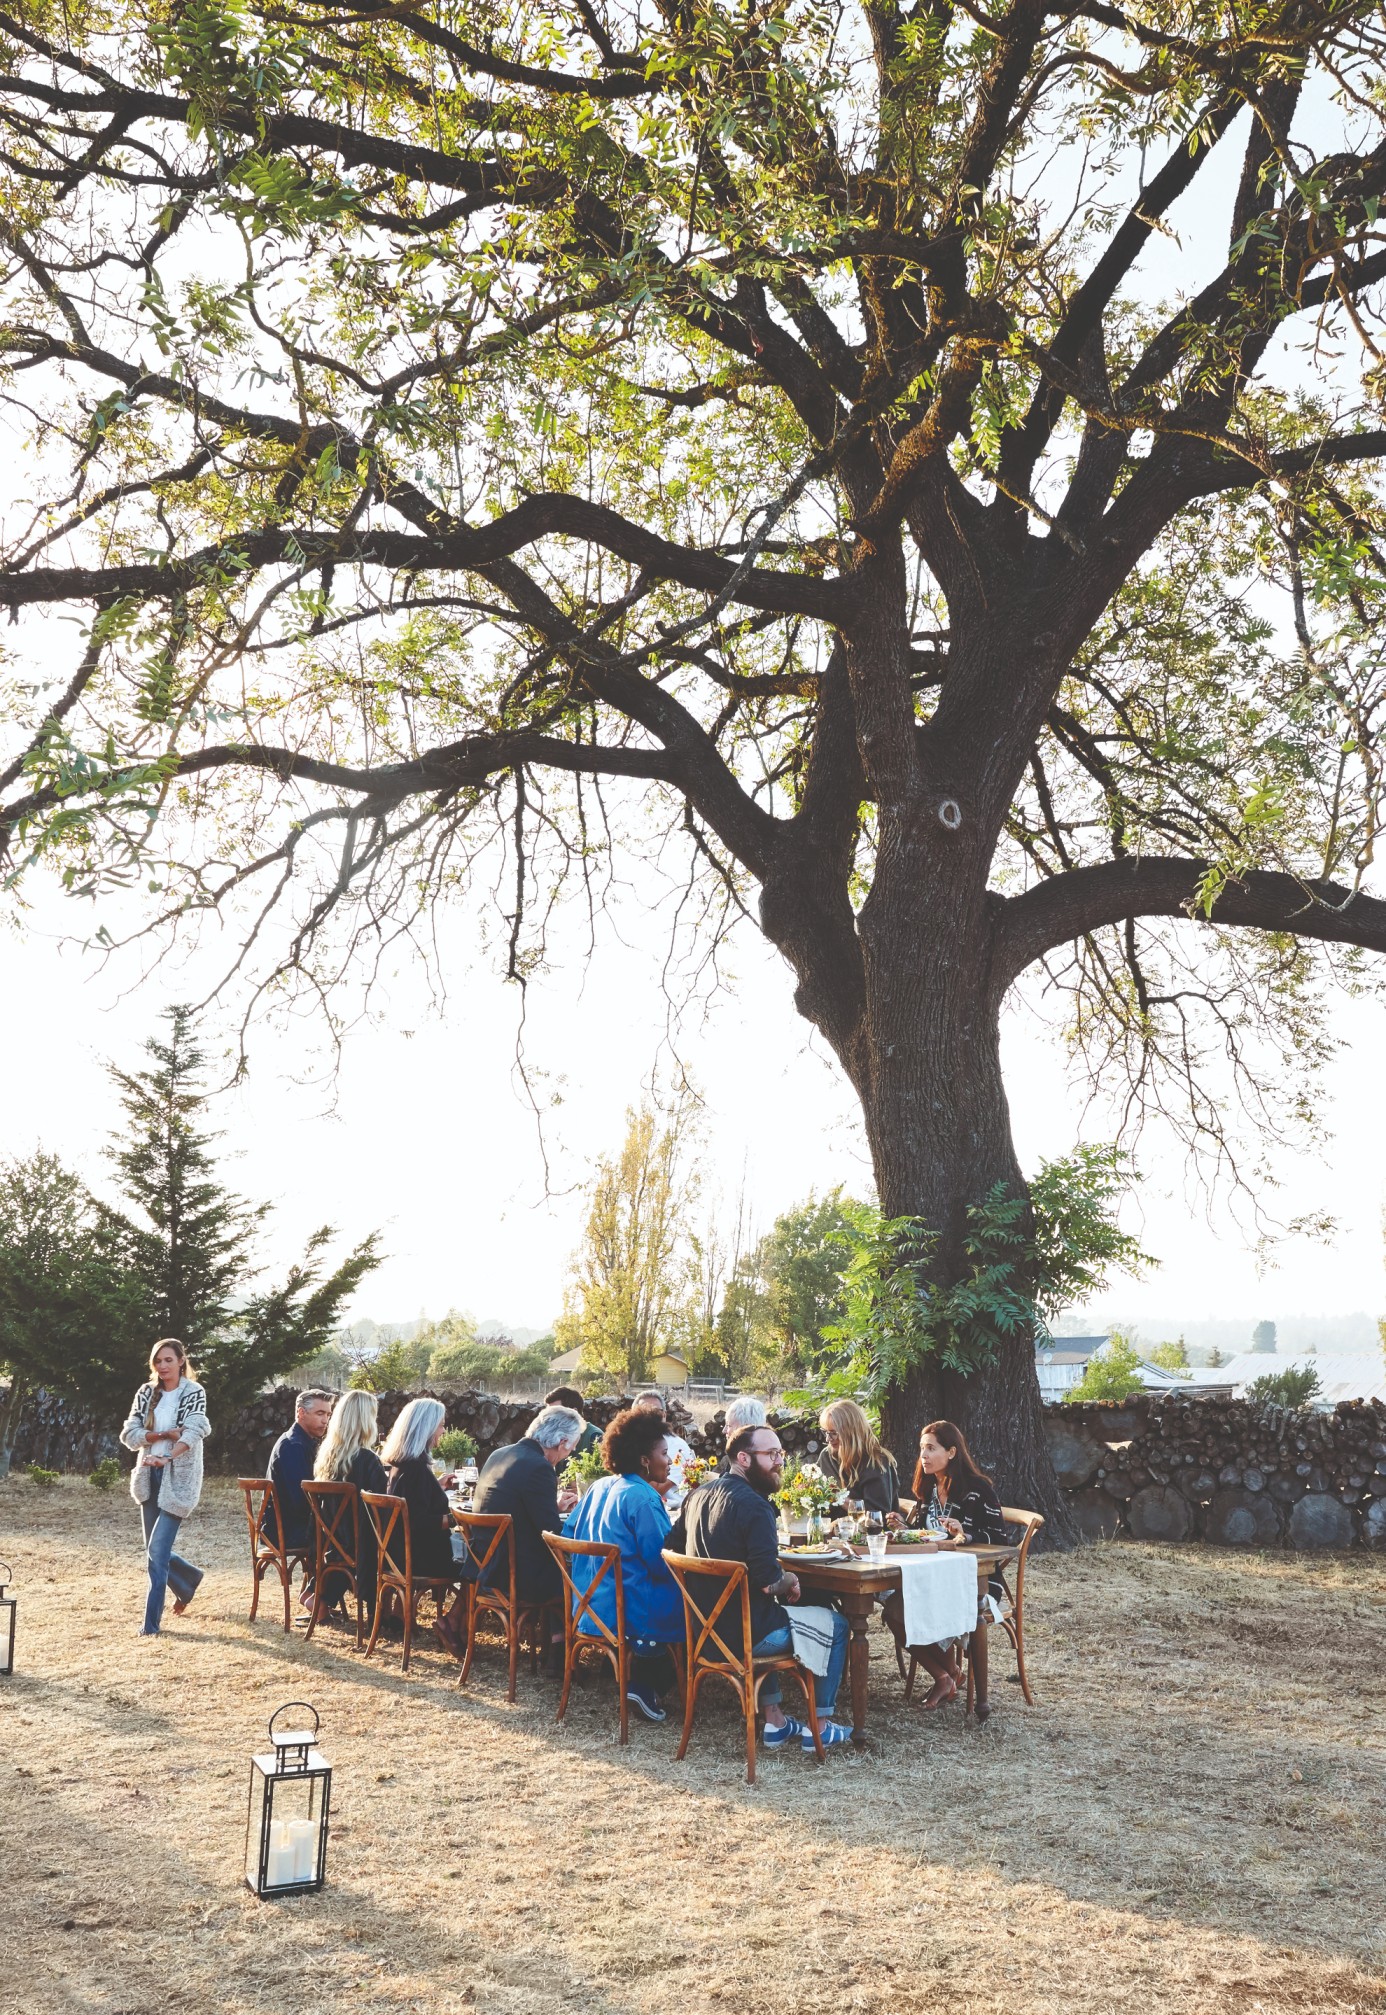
column 807, row 1490
column 702, row 1469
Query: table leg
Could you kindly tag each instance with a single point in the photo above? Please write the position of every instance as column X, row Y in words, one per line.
column 981, row 1705
column 857, row 1609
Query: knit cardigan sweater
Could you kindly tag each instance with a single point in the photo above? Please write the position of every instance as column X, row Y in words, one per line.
column 180, row 1485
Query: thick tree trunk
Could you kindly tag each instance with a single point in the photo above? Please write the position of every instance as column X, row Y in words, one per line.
column 938, row 1124
column 939, row 1128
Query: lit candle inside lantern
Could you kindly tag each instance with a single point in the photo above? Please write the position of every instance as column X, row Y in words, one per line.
column 280, row 1868
column 303, row 1838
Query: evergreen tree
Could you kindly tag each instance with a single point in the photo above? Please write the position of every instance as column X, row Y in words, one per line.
column 64, row 1309
column 1263, row 1336
column 188, row 1244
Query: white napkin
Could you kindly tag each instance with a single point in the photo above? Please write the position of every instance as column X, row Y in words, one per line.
column 940, row 1597
column 811, row 1627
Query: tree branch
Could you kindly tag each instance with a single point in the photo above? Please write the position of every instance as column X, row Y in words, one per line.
column 1082, row 900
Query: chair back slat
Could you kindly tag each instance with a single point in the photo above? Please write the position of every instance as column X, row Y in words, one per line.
column 387, row 1517
column 734, row 1581
column 336, row 1517
column 578, row 1602
column 485, row 1533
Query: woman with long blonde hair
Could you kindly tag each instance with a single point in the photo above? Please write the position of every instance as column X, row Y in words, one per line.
column 346, row 1454
column 855, row 1458
column 166, row 1429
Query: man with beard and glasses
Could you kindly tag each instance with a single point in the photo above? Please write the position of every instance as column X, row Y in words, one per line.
column 731, row 1519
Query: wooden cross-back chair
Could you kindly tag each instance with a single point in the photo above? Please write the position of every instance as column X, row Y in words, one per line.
column 1013, row 1620
column 493, row 1591
column 336, row 1545
column 710, row 1656
column 389, row 1517
column 267, row 1548
column 598, row 1636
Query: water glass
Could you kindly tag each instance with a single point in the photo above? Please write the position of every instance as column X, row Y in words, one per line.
column 876, row 1543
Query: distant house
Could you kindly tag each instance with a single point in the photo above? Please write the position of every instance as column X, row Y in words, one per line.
column 1343, row 1374
column 570, row 1361
column 669, row 1368
column 1061, row 1361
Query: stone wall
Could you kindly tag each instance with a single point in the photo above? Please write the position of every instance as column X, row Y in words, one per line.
column 1157, row 1467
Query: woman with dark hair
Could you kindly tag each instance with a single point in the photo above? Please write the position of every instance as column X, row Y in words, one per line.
column 625, row 1508
column 951, row 1495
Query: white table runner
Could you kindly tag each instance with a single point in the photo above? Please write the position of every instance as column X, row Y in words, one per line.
column 939, row 1594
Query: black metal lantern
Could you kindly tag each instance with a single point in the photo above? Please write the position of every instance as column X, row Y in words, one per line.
column 8, row 1605
column 290, row 1795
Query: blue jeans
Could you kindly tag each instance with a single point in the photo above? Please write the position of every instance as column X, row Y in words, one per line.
column 824, row 1689
column 167, row 1569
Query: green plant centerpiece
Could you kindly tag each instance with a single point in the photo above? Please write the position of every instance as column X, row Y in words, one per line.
column 581, row 1471
column 457, row 1447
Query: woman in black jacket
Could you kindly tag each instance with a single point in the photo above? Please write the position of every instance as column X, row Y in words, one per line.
column 437, row 1551
column 346, row 1454
column 855, row 1458
column 951, row 1495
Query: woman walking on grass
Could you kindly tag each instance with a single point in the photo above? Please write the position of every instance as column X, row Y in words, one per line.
column 167, row 1427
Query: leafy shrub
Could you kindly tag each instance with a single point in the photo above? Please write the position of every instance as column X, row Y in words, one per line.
column 1291, row 1387
column 44, row 1478
column 1116, row 1374
column 457, row 1447
column 105, row 1474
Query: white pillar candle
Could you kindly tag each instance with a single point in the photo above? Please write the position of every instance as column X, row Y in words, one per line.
column 303, row 1836
column 280, row 1869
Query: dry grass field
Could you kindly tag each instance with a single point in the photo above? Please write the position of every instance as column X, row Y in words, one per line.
column 1191, row 1817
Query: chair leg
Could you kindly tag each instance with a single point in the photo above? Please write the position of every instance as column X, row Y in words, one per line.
column 690, row 1701
column 910, row 1676
column 513, row 1638
column 469, row 1626
column 376, row 1619
column 319, row 1604
column 570, row 1659
column 257, row 1571
column 1015, row 1630
column 748, row 1701
column 971, row 1682
column 811, row 1705
column 286, row 1576
column 623, row 1689
column 411, row 1607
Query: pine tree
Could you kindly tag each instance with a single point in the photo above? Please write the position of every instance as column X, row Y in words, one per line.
column 189, row 1242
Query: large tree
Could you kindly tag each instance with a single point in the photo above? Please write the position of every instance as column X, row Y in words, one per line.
column 457, row 424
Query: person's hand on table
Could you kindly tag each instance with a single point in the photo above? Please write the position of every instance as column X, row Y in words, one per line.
column 566, row 1500
column 956, row 1527
column 894, row 1522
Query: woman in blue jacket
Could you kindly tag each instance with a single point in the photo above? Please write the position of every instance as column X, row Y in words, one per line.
column 626, row 1509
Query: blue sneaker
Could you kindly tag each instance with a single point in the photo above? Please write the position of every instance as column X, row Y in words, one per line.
column 833, row 1733
column 780, row 1738
column 644, row 1699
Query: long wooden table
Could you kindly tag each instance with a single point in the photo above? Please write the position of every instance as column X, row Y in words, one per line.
column 855, row 1586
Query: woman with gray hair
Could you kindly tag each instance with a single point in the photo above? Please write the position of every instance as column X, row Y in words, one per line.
column 437, row 1553
column 523, row 1480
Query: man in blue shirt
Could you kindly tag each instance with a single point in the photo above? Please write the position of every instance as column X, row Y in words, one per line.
column 291, row 1463
column 731, row 1519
